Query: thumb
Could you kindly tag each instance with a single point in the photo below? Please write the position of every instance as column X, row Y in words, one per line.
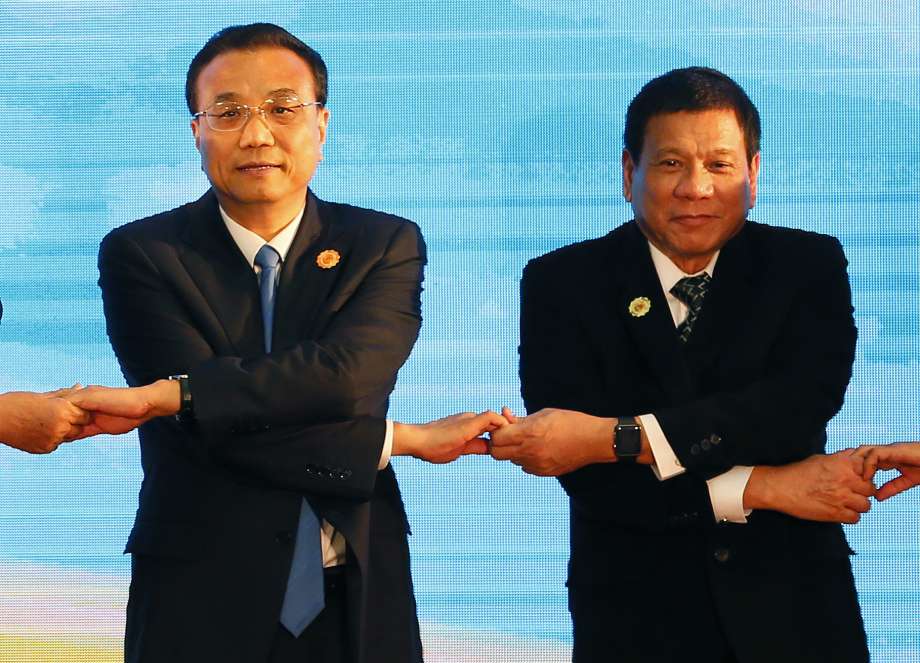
column 509, row 415
column 64, row 391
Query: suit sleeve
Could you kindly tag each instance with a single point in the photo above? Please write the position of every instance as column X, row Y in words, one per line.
column 271, row 416
column 556, row 366
column 778, row 417
column 357, row 354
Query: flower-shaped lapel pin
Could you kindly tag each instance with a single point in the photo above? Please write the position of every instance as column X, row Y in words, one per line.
column 328, row 259
column 640, row 306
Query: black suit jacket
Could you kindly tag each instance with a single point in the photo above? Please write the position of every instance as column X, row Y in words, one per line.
column 220, row 499
column 763, row 372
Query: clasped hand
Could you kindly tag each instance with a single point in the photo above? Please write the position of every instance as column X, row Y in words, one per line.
column 40, row 422
column 550, row 442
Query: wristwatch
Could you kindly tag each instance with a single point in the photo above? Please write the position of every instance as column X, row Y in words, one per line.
column 627, row 439
column 185, row 414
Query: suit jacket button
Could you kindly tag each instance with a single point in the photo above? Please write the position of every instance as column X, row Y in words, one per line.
column 284, row 537
column 722, row 555
column 715, row 439
column 346, row 474
column 695, row 450
column 705, row 445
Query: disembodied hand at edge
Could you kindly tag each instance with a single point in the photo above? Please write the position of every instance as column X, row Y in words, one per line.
column 39, row 423
column 902, row 456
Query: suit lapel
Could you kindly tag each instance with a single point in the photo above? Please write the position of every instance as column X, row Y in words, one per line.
column 653, row 332
column 729, row 304
column 221, row 273
column 305, row 285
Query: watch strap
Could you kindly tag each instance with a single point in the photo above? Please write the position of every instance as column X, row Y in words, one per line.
column 185, row 414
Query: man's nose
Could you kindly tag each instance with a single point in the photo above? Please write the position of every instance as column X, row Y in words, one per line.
column 695, row 183
column 256, row 132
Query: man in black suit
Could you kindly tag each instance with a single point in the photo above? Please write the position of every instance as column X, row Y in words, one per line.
column 715, row 350
column 273, row 324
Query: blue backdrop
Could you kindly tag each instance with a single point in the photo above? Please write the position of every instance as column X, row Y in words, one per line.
column 496, row 126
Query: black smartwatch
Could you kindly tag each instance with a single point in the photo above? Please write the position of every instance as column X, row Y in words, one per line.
column 185, row 414
column 627, row 439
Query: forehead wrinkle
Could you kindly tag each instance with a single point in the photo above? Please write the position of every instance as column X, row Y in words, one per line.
column 236, row 96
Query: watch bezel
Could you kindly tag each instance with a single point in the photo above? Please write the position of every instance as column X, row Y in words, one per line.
column 633, row 439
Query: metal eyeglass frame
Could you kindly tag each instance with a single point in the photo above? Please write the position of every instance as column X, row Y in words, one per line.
column 247, row 112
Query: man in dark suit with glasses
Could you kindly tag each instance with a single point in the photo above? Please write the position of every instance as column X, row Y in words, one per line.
column 272, row 324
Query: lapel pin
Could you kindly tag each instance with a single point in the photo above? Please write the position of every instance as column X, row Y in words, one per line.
column 639, row 306
column 328, row 259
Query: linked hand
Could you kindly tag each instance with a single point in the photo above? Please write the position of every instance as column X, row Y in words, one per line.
column 552, row 442
column 39, row 422
column 824, row 488
column 445, row 440
column 903, row 457
column 117, row 410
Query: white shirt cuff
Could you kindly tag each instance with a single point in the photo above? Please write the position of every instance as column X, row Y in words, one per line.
column 665, row 463
column 726, row 492
column 387, row 446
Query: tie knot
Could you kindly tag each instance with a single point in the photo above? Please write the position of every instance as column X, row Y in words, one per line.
column 268, row 257
column 691, row 289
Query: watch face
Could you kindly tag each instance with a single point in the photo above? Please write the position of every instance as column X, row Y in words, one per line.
column 628, row 440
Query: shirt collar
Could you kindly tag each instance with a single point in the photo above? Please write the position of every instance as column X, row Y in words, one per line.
column 249, row 242
column 669, row 273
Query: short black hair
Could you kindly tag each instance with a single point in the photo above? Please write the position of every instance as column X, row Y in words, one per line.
column 250, row 37
column 690, row 89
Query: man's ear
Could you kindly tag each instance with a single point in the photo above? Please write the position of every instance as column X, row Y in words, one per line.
column 753, row 172
column 323, row 124
column 629, row 168
column 196, row 132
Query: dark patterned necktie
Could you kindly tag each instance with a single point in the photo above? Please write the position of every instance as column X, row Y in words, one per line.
column 691, row 290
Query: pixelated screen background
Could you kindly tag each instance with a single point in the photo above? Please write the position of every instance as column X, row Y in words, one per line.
column 496, row 125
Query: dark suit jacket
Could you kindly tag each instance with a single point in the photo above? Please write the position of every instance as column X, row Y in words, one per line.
column 219, row 504
column 763, row 372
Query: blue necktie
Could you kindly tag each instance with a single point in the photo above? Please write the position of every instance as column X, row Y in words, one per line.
column 303, row 598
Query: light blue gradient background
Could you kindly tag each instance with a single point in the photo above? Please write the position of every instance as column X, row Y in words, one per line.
column 496, row 126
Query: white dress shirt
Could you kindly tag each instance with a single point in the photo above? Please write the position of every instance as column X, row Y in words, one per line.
column 726, row 491
column 249, row 244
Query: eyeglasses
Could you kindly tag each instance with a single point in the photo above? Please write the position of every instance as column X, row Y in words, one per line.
column 231, row 116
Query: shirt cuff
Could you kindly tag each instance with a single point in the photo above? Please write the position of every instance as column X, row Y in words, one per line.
column 387, row 446
column 665, row 463
column 726, row 492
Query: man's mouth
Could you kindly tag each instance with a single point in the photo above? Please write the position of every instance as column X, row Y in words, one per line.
column 257, row 167
column 694, row 219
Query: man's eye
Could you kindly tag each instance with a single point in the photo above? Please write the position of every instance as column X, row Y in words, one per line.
column 721, row 165
column 228, row 113
column 670, row 163
column 282, row 110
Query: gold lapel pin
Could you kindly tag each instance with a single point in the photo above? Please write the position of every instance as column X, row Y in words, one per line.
column 328, row 259
column 640, row 306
